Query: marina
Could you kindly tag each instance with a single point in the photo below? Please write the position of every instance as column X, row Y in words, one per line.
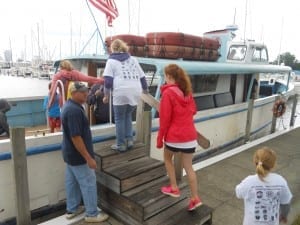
column 236, row 97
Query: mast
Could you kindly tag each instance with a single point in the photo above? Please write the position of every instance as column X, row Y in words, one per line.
column 97, row 29
column 38, row 42
column 246, row 10
column 129, row 22
column 71, row 35
column 139, row 14
column 11, row 53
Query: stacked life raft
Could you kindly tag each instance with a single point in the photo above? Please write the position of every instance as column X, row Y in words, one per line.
column 171, row 45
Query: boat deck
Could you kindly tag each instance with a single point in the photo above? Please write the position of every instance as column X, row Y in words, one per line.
column 218, row 177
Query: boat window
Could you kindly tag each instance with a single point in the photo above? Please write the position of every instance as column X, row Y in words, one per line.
column 237, row 52
column 273, row 83
column 204, row 83
column 260, row 55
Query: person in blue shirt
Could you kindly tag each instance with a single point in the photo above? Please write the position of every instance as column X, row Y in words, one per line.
column 78, row 154
column 52, row 112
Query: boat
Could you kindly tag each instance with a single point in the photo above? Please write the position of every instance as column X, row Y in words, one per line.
column 225, row 86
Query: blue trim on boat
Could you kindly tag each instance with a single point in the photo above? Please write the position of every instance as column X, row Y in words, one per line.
column 51, row 148
column 55, row 147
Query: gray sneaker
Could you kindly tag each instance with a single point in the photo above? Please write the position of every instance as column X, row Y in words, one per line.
column 96, row 219
column 71, row 215
column 119, row 148
column 129, row 145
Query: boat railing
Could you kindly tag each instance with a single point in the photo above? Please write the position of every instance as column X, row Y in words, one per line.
column 58, row 84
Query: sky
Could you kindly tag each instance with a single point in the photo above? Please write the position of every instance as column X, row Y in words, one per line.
column 63, row 27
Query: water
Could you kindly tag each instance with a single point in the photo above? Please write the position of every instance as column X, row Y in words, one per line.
column 18, row 87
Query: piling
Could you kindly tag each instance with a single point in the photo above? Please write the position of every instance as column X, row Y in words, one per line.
column 19, row 163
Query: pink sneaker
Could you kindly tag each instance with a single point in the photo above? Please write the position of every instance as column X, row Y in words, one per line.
column 194, row 204
column 167, row 190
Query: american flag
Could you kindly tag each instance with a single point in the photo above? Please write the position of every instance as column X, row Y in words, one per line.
column 108, row 7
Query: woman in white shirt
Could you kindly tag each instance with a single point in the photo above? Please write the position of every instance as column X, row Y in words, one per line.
column 125, row 77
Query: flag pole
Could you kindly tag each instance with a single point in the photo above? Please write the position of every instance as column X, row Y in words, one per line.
column 103, row 44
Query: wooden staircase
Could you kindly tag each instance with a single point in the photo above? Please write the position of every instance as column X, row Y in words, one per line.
column 129, row 189
column 129, row 183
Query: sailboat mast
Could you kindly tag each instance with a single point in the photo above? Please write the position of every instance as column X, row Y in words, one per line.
column 129, row 22
column 11, row 53
column 38, row 42
column 245, row 24
column 139, row 14
column 71, row 35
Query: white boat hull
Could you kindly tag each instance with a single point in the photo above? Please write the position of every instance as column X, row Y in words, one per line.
column 223, row 126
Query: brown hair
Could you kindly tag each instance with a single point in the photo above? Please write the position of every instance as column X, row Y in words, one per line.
column 181, row 78
column 118, row 46
column 264, row 159
column 66, row 65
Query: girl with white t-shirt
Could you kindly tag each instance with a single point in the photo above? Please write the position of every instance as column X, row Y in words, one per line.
column 266, row 195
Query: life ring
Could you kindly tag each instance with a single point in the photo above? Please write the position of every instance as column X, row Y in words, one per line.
column 279, row 108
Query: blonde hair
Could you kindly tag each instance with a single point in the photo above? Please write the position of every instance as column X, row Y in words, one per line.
column 181, row 78
column 118, row 46
column 264, row 159
column 66, row 65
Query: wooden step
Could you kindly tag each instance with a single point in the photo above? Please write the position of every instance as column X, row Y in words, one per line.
column 150, row 198
column 178, row 214
column 173, row 213
column 140, row 203
column 106, row 157
column 131, row 174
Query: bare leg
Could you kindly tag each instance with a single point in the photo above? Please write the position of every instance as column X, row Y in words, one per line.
column 168, row 158
column 188, row 167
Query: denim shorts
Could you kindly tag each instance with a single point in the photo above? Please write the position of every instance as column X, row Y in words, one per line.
column 183, row 150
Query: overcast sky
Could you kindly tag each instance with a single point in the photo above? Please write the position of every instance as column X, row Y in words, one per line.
column 50, row 23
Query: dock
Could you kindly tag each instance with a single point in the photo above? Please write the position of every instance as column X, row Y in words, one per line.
column 129, row 183
column 217, row 178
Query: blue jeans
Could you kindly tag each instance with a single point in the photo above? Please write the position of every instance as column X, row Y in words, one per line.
column 81, row 181
column 123, row 121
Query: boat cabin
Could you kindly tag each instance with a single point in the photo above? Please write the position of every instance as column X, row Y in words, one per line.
column 240, row 72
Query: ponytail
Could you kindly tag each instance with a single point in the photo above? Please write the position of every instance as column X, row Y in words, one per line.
column 264, row 159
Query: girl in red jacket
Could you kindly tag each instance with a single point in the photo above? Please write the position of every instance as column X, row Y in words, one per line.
column 177, row 131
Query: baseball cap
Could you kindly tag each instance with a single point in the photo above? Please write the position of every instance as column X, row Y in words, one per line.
column 78, row 86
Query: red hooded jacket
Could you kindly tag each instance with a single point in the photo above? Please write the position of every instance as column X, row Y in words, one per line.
column 176, row 113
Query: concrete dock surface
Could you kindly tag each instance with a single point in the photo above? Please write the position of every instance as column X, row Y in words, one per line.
column 218, row 177
column 217, row 181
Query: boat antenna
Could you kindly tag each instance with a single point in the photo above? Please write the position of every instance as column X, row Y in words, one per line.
column 97, row 28
column 278, row 60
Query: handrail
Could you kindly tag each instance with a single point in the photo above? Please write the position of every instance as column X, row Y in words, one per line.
column 58, row 84
column 150, row 100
